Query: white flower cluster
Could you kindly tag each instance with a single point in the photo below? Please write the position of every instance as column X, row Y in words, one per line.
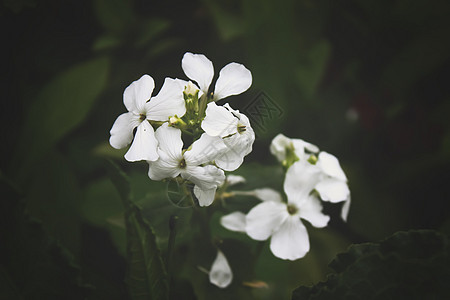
column 311, row 176
column 220, row 137
column 184, row 135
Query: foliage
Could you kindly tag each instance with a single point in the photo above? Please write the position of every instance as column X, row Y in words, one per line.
column 146, row 275
column 407, row 265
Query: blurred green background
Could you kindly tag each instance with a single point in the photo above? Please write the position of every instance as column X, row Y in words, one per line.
column 364, row 80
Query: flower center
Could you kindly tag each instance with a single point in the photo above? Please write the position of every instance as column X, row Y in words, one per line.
column 142, row 117
column 182, row 164
column 292, row 209
column 241, row 128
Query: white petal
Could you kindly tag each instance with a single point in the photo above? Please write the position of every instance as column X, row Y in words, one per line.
column 207, row 177
column 333, row 190
column 233, row 79
column 219, row 121
column 144, row 146
column 264, row 219
column 220, row 274
column 278, row 146
column 234, row 179
column 330, row 166
column 311, row 210
column 170, row 141
column 239, row 145
column 345, row 209
column 234, row 221
column 122, row 130
column 138, row 93
column 231, row 159
column 204, row 197
column 198, row 68
column 204, row 150
column 300, row 146
column 301, row 178
column 163, row 168
column 280, row 143
column 168, row 102
column 291, row 240
column 268, row 194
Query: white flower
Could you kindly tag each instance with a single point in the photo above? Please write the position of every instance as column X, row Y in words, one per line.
column 220, row 274
column 326, row 177
column 233, row 79
column 236, row 220
column 281, row 145
column 301, row 179
column 168, row 102
column 280, row 221
column 234, row 129
column 173, row 162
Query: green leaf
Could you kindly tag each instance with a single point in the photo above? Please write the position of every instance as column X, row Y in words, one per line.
column 106, row 42
column 146, row 275
column 407, row 265
column 60, row 107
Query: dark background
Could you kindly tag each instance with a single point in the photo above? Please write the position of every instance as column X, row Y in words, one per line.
column 364, row 80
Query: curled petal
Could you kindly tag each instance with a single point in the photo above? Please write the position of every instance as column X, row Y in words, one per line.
column 219, row 121
column 300, row 146
column 234, row 221
column 291, row 240
column 278, row 146
column 204, row 197
column 220, row 274
column 264, row 219
column 330, row 166
column 144, row 146
column 311, row 211
column 122, row 130
column 234, row 79
column 138, row 93
column 239, row 145
column 198, row 68
column 280, row 143
column 333, row 190
column 168, row 102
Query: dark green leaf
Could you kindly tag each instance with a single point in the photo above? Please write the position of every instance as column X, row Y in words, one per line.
column 60, row 106
column 407, row 265
column 146, row 275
